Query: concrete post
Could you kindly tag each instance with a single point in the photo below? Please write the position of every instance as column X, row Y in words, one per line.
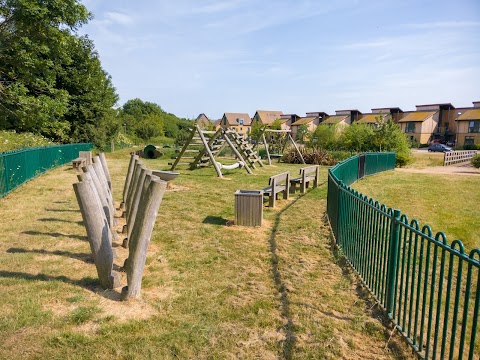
column 142, row 230
column 98, row 232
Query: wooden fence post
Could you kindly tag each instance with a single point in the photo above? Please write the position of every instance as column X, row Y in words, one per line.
column 103, row 161
column 142, row 230
column 128, row 178
column 98, row 232
column 136, row 200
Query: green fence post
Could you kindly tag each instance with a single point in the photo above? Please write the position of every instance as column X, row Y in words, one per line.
column 392, row 261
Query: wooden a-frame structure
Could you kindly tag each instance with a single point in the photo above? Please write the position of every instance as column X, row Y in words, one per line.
column 202, row 147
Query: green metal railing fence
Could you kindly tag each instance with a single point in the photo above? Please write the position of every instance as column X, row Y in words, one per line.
column 19, row 166
column 429, row 288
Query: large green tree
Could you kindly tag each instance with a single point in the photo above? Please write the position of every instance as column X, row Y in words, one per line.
column 51, row 80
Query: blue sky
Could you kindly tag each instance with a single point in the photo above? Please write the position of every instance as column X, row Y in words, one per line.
column 212, row 56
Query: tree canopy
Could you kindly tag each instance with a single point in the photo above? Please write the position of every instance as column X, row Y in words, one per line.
column 51, row 79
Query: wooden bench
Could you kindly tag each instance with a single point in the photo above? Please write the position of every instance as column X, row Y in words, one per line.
column 307, row 174
column 78, row 163
column 277, row 184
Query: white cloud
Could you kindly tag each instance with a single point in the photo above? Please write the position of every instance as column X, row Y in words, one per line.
column 119, row 18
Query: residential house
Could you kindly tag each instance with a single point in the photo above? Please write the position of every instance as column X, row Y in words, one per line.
column 217, row 124
column 446, row 127
column 343, row 118
column 240, row 122
column 286, row 120
column 468, row 126
column 395, row 112
column 420, row 125
column 266, row 117
column 371, row 119
column 203, row 121
column 312, row 120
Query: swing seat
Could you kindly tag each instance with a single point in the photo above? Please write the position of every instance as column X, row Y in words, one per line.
column 276, row 156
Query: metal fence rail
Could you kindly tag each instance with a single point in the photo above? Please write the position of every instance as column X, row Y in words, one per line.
column 429, row 288
column 455, row 157
column 19, row 166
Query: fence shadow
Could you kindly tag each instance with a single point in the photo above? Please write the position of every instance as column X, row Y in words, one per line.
column 289, row 327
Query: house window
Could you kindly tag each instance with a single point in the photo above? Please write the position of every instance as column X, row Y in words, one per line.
column 474, row 127
column 469, row 140
column 241, row 129
column 240, row 121
column 410, row 127
column 248, row 130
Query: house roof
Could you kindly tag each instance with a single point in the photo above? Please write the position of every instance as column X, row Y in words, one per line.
column 388, row 108
column 473, row 114
column 267, row 116
column 233, row 117
column 335, row 119
column 417, row 116
column 305, row 120
column 370, row 118
column 202, row 119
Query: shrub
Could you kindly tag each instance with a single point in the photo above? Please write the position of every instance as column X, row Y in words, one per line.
column 311, row 156
column 470, row 147
column 403, row 159
column 476, row 161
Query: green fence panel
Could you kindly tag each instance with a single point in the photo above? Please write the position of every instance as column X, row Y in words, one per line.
column 429, row 288
column 17, row 167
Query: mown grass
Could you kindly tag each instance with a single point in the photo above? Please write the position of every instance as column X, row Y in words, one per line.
column 209, row 290
column 448, row 203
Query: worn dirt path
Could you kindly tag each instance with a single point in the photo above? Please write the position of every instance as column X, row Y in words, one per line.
column 458, row 169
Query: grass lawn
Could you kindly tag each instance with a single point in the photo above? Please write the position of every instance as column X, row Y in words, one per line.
column 209, row 290
column 448, row 203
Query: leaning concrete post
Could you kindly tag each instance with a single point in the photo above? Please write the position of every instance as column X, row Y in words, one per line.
column 103, row 161
column 133, row 186
column 136, row 200
column 90, row 174
column 142, row 231
column 98, row 232
column 128, row 178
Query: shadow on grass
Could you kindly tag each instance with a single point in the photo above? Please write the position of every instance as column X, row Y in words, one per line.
column 60, row 220
column 289, row 327
column 62, row 210
column 55, row 234
column 214, row 220
column 79, row 256
column 88, row 283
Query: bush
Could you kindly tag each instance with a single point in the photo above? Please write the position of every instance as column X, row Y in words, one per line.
column 311, row 156
column 476, row 161
column 470, row 147
column 403, row 159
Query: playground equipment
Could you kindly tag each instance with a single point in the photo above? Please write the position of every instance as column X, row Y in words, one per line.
column 151, row 152
column 277, row 141
column 202, row 147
